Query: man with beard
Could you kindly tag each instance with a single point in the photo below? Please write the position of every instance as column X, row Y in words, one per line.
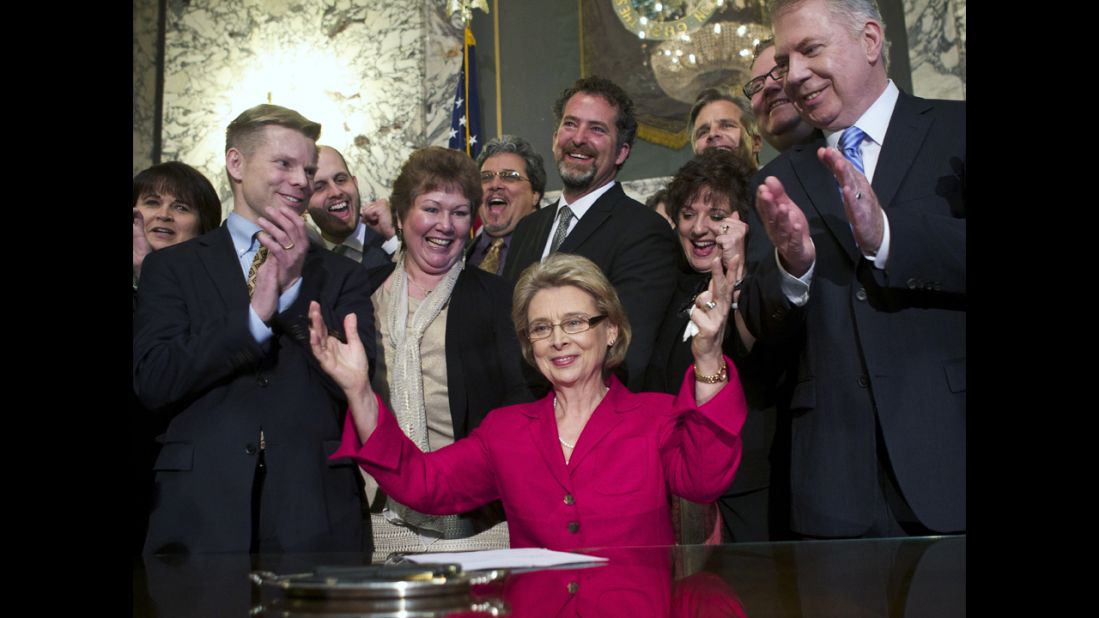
column 335, row 209
column 513, row 178
column 779, row 123
column 594, row 218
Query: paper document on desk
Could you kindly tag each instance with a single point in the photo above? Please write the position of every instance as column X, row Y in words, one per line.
column 506, row 558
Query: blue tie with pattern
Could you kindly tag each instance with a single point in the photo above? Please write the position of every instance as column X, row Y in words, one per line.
column 849, row 145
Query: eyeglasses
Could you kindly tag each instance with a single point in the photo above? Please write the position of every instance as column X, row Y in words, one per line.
column 570, row 326
column 754, row 85
column 508, row 176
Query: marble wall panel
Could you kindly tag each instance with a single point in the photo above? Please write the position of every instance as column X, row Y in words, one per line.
column 358, row 70
column 443, row 60
column 145, row 50
column 936, row 47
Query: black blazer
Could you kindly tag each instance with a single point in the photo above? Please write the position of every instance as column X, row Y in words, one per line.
column 373, row 254
column 636, row 250
column 757, row 370
column 876, row 348
column 194, row 354
column 483, row 361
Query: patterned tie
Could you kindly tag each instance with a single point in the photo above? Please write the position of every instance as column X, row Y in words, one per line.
column 491, row 263
column 257, row 261
column 563, row 219
column 849, row 146
column 349, row 251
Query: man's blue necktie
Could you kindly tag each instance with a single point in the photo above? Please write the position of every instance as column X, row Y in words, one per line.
column 849, row 145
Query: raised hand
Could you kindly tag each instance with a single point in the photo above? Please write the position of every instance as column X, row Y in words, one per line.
column 141, row 243
column 286, row 244
column 786, row 226
column 859, row 200
column 379, row 217
column 731, row 234
column 347, row 365
column 710, row 314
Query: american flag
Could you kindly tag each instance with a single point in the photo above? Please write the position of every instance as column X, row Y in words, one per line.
column 465, row 119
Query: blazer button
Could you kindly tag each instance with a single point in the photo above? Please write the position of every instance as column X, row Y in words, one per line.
column 574, row 527
column 569, row 500
column 250, row 449
column 913, row 284
column 263, row 381
column 572, row 587
column 861, row 294
column 863, row 381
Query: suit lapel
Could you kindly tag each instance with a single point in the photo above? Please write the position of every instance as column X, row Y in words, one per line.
column 907, row 130
column 607, row 416
column 599, row 212
column 220, row 260
column 543, row 432
column 458, row 321
column 542, row 226
column 824, row 195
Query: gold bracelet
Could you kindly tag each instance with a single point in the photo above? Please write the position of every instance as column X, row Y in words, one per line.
column 720, row 376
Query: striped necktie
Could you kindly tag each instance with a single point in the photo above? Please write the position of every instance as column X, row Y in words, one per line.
column 849, row 145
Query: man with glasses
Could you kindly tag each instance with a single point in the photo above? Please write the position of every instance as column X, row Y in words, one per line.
column 778, row 121
column 862, row 264
column 513, row 178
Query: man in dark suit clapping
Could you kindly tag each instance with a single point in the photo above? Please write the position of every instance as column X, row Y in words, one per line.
column 221, row 340
column 862, row 264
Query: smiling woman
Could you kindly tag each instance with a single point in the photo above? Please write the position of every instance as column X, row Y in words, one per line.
column 448, row 353
column 589, row 465
column 172, row 202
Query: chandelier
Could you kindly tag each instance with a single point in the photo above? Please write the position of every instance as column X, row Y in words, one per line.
column 696, row 44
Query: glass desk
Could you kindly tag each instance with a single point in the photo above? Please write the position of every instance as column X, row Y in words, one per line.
column 910, row 577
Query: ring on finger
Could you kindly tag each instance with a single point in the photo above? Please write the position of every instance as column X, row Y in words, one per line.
column 858, row 195
column 289, row 247
column 710, row 304
column 725, row 228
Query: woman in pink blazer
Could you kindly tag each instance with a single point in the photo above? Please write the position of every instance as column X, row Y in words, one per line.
column 592, row 463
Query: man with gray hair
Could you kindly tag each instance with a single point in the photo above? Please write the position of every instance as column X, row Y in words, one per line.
column 513, row 178
column 862, row 266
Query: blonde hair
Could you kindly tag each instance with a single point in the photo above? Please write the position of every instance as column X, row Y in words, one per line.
column 243, row 132
column 565, row 269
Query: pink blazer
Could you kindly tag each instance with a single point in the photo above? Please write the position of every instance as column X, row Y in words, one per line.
column 614, row 490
